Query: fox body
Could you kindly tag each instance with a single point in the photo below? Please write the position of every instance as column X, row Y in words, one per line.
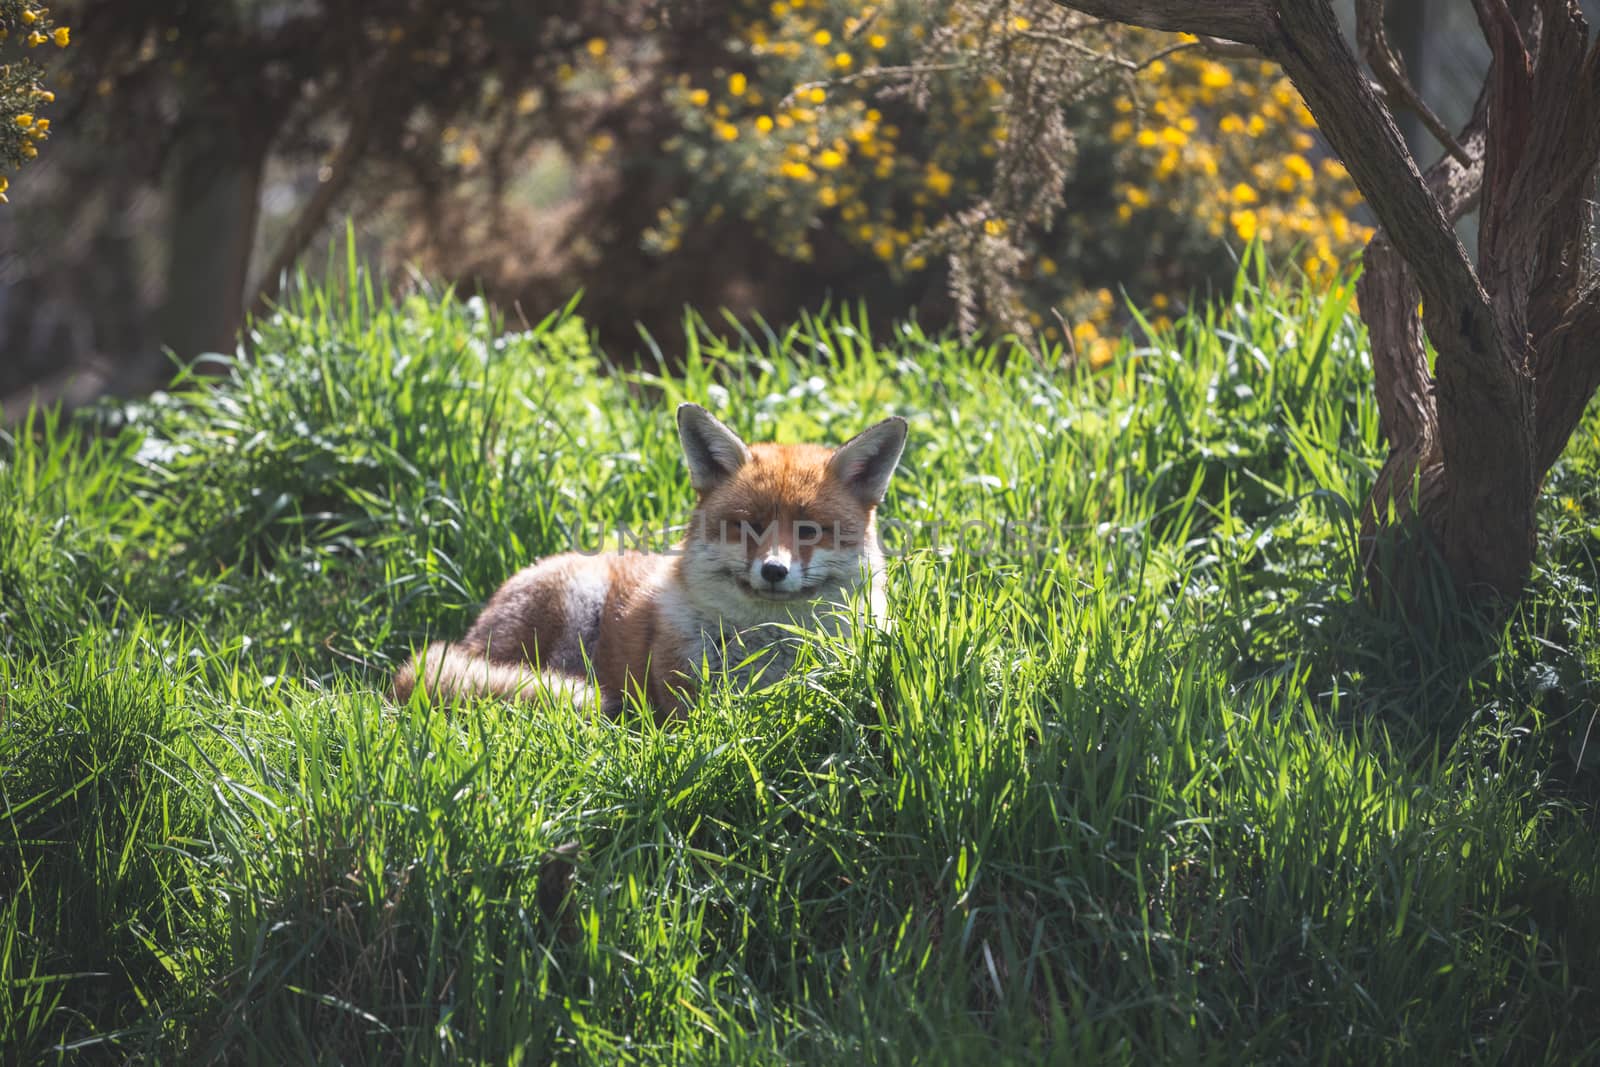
column 781, row 535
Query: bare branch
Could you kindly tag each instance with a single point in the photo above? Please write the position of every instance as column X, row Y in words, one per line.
column 1391, row 73
column 340, row 172
column 1251, row 22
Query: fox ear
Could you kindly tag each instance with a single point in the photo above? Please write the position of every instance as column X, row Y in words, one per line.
column 864, row 463
column 713, row 452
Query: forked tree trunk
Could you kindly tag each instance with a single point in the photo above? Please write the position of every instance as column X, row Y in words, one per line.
column 1517, row 339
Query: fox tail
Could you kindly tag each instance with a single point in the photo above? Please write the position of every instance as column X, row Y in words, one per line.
column 448, row 672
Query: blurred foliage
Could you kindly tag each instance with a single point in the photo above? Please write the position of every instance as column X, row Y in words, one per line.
column 1000, row 164
column 1041, row 155
column 24, row 26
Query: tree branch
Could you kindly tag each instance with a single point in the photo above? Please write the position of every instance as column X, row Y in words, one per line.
column 1391, row 74
column 1388, row 295
column 1251, row 22
column 341, row 171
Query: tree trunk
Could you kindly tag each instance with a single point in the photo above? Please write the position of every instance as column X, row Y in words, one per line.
column 1515, row 337
column 216, row 189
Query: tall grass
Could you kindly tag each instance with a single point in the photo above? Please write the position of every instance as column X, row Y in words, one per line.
column 1151, row 783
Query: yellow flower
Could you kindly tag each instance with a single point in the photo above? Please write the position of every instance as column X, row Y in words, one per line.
column 877, row 42
column 699, row 97
column 1121, row 130
column 1021, row 25
column 764, row 124
column 938, row 180
column 1148, row 139
column 596, row 46
column 1215, row 76
column 829, row 159
column 35, row 39
column 1231, row 124
column 1244, row 194
column 727, row 131
column 737, row 84
column 1245, row 223
column 994, row 227
column 25, row 120
column 817, row 95
column 1136, row 196
column 917, row 263
column 822, row 38
column 798, row 171
column 843, row 60
column 1297, row 165
column 30, row 17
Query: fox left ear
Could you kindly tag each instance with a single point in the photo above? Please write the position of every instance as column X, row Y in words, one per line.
column 713, row 452
column 865, row 463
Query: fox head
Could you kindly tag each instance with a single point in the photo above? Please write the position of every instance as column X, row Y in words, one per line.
column 781, row 526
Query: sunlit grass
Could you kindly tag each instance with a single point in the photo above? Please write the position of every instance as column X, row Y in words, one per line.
column 1149, row 784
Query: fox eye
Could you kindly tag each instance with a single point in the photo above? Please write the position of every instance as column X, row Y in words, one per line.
column 806, row 530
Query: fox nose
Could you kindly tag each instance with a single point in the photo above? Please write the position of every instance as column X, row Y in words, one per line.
column 774, row 572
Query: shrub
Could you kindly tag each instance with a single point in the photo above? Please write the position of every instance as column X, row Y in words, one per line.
column 1041, row 156
column 23, row 25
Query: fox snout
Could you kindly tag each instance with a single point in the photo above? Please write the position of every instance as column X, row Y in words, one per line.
column 776, row 568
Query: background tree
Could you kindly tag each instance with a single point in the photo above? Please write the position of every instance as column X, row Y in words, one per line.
column 224, row 94
column 1472, row 439
column 999, row 163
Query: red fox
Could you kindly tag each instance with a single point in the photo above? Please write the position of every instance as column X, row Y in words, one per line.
column 781, row 534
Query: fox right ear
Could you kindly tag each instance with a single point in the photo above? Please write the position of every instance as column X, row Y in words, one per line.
column 713, row 452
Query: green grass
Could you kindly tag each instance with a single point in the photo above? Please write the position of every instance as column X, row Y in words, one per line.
column 1160, row 788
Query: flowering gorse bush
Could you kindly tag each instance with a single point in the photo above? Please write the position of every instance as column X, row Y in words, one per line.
column 1035, row 156
column 23, row 26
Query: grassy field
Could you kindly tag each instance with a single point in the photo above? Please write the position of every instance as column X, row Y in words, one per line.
column 1150, row 784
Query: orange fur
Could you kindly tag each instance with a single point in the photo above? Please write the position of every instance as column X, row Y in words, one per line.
column 644, row 623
